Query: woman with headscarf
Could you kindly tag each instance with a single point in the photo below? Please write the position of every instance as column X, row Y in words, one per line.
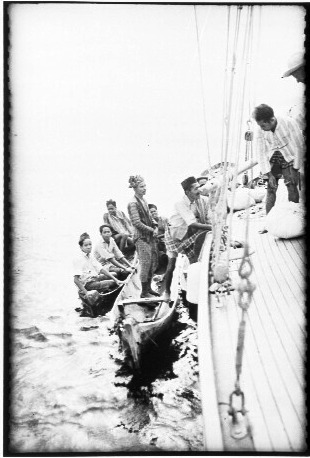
column 145, row 233
column 122, row 230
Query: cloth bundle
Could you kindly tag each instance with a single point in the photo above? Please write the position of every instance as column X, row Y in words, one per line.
column 242, row 199
column 258, row 193
column 286, row 220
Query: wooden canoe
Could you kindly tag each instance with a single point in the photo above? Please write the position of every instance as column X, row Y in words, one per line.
column 141, row 323
column 272, row 376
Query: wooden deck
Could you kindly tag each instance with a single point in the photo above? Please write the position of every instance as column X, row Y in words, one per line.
column 272, row 376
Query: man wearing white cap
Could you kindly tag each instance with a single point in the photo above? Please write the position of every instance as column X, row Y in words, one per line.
column 296, row 68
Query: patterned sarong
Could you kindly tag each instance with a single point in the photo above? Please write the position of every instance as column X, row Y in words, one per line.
column 185, row 247
column 148, row 257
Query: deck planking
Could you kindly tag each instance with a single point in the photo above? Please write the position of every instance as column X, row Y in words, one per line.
column 273, row 372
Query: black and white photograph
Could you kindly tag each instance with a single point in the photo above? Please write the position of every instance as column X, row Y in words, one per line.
column 155, row 244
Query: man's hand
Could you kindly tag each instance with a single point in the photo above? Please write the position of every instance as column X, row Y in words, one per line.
column 155, row 233
column 128, row 269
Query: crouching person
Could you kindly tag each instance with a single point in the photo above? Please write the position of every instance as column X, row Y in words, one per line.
column 190, row 219
column 89, row 275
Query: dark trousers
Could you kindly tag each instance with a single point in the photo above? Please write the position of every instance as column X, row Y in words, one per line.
column 293, row 194
column 100, row 283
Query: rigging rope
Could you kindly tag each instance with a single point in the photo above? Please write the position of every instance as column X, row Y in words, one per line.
column 241, row 105
column 221, row 209
column 224, row 130
column 202, row 90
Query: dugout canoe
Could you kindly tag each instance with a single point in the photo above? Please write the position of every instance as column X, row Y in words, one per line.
column 141, row 323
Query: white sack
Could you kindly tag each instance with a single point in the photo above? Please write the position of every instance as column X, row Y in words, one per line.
column 286, row 220
column 242, row 199
column 258, row 193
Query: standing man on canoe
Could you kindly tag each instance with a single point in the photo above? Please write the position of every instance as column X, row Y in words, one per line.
column 279, row 146
column 189, row 219
column 145, row 233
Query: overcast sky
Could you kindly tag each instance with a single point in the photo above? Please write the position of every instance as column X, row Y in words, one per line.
column 101, row 92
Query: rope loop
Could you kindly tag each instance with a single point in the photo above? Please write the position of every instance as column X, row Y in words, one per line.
column 246, row 266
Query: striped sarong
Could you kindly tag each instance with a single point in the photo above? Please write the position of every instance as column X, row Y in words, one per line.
column 277, row 158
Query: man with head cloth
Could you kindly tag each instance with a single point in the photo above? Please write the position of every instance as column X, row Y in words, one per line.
column 189, row 219
column 145, row 234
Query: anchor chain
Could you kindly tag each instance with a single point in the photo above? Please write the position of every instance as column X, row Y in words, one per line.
column 245, row 292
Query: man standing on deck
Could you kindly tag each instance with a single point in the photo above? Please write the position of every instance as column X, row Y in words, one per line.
column 279, row 147
column 190, row 218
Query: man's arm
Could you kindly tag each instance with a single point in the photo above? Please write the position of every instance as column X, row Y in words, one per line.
column 299, row 141
column 190, row 218
column 206, row 227
column 109, row 275
column 125, row 263
column 248, row 165
column 135, row 218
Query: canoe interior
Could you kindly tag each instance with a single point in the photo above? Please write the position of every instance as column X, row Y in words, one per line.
column 141, row 326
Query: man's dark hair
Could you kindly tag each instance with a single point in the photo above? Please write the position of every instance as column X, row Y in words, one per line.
column 111, row 202
column 104, row 225
column 83, row 237
column 263, row 113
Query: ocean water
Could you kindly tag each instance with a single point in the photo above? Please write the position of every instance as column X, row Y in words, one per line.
column 71, row 390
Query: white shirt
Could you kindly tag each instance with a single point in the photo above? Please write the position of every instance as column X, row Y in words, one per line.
column 104, row 251
column 86, row 266
column 287, row 138
column 185, row 214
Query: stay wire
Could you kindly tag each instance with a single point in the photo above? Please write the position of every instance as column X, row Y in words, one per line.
column 202, row 89
column 242, row 106
column 224, row 125
column 221, row 206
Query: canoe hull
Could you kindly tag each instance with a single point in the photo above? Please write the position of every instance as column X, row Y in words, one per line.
column 138, row 336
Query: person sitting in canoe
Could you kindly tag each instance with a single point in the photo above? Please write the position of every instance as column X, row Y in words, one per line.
column 144, row 236
column 89, row 275
column 109, row 255
column 190, row 218
column 122, row 230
